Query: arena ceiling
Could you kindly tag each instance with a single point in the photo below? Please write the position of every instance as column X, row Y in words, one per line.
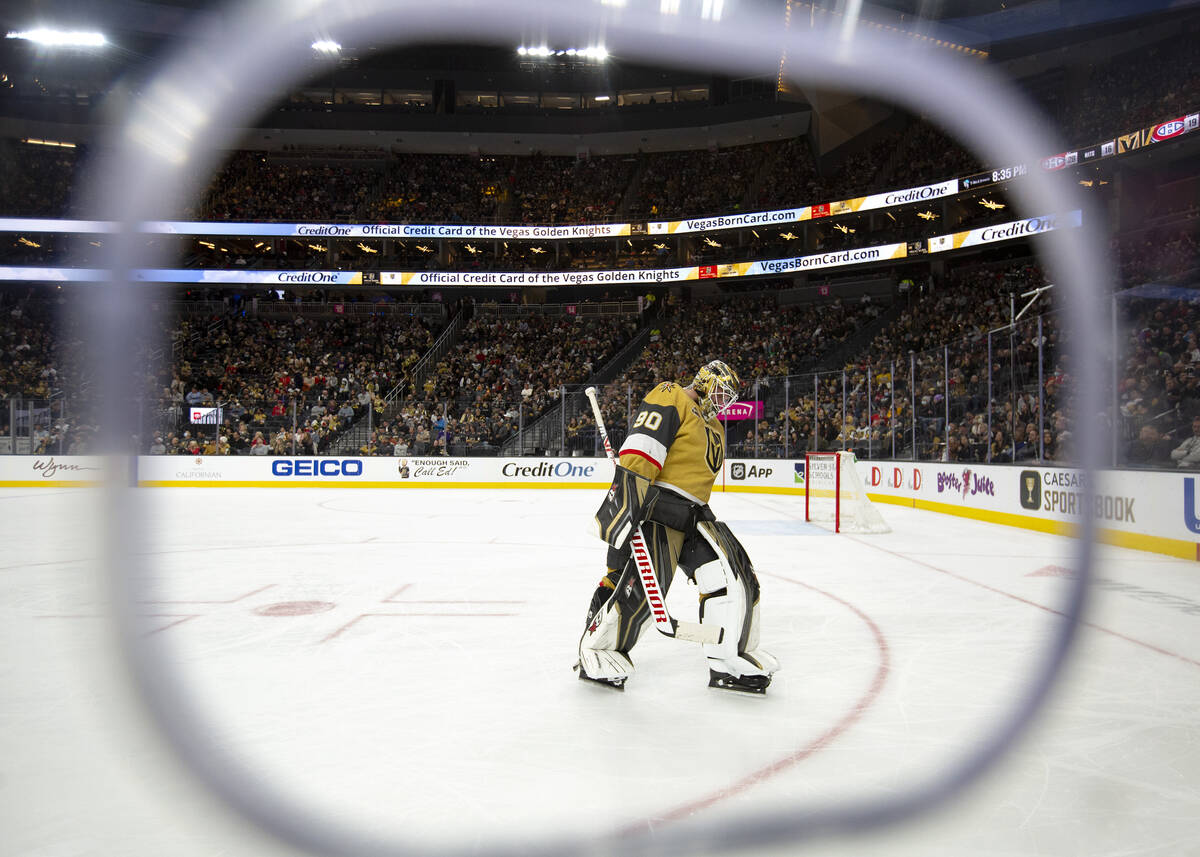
column 141, row 32
column 988, row 20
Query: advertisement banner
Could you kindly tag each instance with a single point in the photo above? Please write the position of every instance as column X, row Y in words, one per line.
column 187, row 275
column 728, row 221
column 244, row 471
column 756, row 473
column 977, row 180
column 51, row 471
column 204, row 416
column 1005, row 231
column 54, row 275
column 833, row 259
column 815, row 261
column 55, row 225
column 742, row 411
column 387, row 230
column 535, row 278
column 892, row 198
column 274, row 278
column 1153, row 511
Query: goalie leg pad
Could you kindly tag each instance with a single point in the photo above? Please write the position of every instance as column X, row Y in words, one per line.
column 615, row 618
column 619, row 612
column 729, row 599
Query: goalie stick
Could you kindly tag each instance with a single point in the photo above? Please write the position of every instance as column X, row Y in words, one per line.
column 663, row 621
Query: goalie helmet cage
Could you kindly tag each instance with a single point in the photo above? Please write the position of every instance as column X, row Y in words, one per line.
column 834, row 493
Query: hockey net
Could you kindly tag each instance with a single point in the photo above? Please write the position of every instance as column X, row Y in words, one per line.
column 835, row 494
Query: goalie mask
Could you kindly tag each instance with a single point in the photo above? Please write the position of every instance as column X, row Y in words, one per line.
column 717, row 386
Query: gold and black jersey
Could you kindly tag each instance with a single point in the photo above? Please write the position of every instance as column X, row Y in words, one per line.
column 673, row 445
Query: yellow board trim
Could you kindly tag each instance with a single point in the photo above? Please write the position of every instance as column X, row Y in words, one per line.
column 756, row 489
column 1118, row 538
column 325, row 483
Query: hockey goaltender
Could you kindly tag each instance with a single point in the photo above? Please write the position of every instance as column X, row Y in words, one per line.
column 656, row 518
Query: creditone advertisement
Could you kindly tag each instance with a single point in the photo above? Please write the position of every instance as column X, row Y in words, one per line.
column 893, row 198
column 1005, row 231
column 187, row 276
column 767, row 267
column 272, row 278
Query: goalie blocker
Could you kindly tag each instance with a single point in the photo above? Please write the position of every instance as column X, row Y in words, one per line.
column 621, row 510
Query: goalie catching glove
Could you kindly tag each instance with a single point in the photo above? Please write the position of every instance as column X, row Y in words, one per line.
column 621, row 511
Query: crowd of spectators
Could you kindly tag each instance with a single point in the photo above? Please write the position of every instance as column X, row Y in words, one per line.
column 916, row 154
column 924, row 378
column 953, row 409
column 1159, row 254
column 571, row 190
column 504, row 372
column 1158, row 391
column 439, row 189
column 696, row 183
column 42, row 374
column 1132, row 90
column 35, row 181
column 761, row 339
column 294, row 385
column 298, row 190
column 288, row 385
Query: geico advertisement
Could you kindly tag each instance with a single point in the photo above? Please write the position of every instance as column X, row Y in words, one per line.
column 270, row 471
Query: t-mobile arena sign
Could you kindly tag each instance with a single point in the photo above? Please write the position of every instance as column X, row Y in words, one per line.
column 742, row 411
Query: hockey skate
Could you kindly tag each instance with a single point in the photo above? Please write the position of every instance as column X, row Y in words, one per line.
column 614, row 683
column 743, row 684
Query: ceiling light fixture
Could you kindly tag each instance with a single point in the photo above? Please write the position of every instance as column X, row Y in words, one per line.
column 61, row 38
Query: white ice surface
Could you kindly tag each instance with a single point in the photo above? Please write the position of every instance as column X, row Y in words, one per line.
column 401, row 661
